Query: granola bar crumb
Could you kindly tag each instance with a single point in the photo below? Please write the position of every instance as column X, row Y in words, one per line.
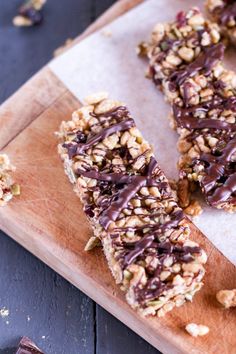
column 196, row 330
column 62, row 48
column 227, row 298
column 142, row 49
column 106, row 33
column 4, row 312
column 92, row 243
column 8, row 188
column 29, row 14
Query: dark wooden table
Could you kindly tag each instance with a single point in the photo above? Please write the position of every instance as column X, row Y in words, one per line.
column 41, row 304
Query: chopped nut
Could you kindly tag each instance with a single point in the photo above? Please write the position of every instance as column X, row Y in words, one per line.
column 196, row 20
column 183, row 193
column 142, row 49
column 106, row 106
column 92, row 243
column 15, row 189
column 196, row 330
column 186, row 54
column 227, row 298
column 96, row 98
column 21, row 21
column 173, row 59
column 158, row 32
column 194, row 208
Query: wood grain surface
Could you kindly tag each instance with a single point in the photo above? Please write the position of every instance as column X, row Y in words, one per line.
column 47, row 219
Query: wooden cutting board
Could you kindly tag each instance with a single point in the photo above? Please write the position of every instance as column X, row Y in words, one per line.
column 47, row 219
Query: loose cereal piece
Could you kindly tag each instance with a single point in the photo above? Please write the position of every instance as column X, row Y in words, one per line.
column 29, row 14
column 224, row 13
column 196, row 330
column 131, row 207
column 227, row 298
column 8, row 188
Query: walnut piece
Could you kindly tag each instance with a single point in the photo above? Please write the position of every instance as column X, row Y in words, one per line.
column 194, row 209
column 227, row 298
column 196, row 330
column 183, row 193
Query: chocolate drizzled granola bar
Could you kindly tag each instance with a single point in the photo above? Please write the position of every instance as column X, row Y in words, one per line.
column 173, row 46
column 131, row 207
column 224, row 13
column 202, row 94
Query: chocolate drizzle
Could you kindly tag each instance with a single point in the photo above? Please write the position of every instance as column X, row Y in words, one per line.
column 185, row 116
column 228, row 14
column 215, row 170
column 204, row 63
column 81, row 143
column 154, row 286
column 133, row 183
column 218, row 184
column 148, row 240
column 121, row 126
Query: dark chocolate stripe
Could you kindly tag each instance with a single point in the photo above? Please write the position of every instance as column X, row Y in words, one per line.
column 204, row 62
column 185, row 116
column 229, row 13
column 134, row 185
column 117, row 178
column 113, row 211
column 215, row 170
column 224, row 192
column 147, row 240
column 121, row 126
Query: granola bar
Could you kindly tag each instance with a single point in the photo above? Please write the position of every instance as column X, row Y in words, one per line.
column 7, row 186
column 202, row 95
column 174, row 46
column 207, row 139
column 131, row 207
column 224, row 13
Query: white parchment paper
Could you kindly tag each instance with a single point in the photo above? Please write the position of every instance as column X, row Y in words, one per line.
column 109, row 63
